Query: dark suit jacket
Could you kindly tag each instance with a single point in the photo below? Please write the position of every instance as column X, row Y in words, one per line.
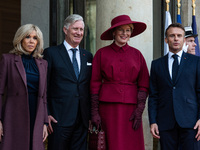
column 14, row 112
column 66, row 94
column 179, row 102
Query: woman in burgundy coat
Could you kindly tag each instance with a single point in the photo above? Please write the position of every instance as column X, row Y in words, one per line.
column 23, row 112
column 119, row 86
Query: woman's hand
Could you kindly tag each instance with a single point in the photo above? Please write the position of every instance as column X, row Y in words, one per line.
column 45, row 132
column 1, row 131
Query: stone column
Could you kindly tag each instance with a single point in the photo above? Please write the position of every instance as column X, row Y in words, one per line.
column 138, row 10
column 36, row 12
column 186, row 12
column 197, row 16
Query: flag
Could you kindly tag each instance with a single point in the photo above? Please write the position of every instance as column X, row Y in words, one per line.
column 179, row 18
column 168, row 21
column 185, row 47
column 194, row 28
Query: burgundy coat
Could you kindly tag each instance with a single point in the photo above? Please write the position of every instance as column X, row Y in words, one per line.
column 118, row 74
column 14, row 110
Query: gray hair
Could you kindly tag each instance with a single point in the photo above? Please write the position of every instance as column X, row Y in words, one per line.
column 21, row 33
column 71, row 19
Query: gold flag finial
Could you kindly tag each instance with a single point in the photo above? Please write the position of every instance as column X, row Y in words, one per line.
column 179, row 7
column 193, row 7
column 167, row 1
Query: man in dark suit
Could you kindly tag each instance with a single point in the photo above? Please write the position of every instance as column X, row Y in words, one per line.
column 68, row 95
column 174, row 99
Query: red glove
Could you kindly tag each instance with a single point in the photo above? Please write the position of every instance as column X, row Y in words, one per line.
column 136, row 116
column 95, row 117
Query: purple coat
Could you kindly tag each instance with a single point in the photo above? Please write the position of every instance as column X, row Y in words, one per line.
column 14, row 110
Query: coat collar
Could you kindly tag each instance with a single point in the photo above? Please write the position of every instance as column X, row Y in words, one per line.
column 119, row 49
column 20, row 67
column 183, row 64
column 83, row 58
column 165, row 65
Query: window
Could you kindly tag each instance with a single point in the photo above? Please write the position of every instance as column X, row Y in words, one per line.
column 59, row 10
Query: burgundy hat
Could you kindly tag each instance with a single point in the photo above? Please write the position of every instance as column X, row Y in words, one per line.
column 139, row 27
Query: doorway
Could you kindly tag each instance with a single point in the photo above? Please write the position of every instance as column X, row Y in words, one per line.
column 10, row 16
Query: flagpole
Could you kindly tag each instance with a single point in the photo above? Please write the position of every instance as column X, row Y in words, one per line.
column 168, row 21
column 179, row 6
column 193, row 6
column 167, row 6
column 194, row 28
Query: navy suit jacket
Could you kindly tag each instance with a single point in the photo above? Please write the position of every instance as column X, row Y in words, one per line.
column 65, row 94
column 179, row 102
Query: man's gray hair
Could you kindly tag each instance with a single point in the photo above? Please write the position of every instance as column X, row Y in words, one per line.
column 71, row 19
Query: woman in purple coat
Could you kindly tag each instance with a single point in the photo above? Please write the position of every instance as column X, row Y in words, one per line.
column 119, row 86
column 23, row 112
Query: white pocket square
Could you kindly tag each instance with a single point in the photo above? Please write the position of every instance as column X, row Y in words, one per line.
column 89, row 64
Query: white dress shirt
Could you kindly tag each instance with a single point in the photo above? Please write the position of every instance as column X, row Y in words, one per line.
column 171, row 60
column 68, row 48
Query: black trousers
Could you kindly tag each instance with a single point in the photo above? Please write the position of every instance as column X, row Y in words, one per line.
column 179, row 139
column 68, row 138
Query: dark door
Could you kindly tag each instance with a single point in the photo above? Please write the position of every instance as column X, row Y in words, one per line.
column 10, row 13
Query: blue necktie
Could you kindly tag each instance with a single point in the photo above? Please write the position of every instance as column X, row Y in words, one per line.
column 175, row 67
column 74, row 62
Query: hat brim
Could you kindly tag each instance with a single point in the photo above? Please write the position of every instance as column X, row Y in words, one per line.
column 191, row 35
column 139, row 27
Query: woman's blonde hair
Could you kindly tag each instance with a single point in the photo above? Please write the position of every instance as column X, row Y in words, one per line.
column 21, row 33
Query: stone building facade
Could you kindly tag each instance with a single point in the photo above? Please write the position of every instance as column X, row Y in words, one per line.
column 50, row 14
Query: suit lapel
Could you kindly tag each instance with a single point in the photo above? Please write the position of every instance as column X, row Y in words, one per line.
column 42, row 76
column 20, row 68
column 165, row 65
column 182, row 65
column 83, row 64
column 65, row 56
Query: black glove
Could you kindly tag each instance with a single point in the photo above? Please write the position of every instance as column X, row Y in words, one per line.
column 136, row 116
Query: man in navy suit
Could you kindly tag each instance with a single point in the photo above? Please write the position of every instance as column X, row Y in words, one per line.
column 68, row 95
column 174, row 99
